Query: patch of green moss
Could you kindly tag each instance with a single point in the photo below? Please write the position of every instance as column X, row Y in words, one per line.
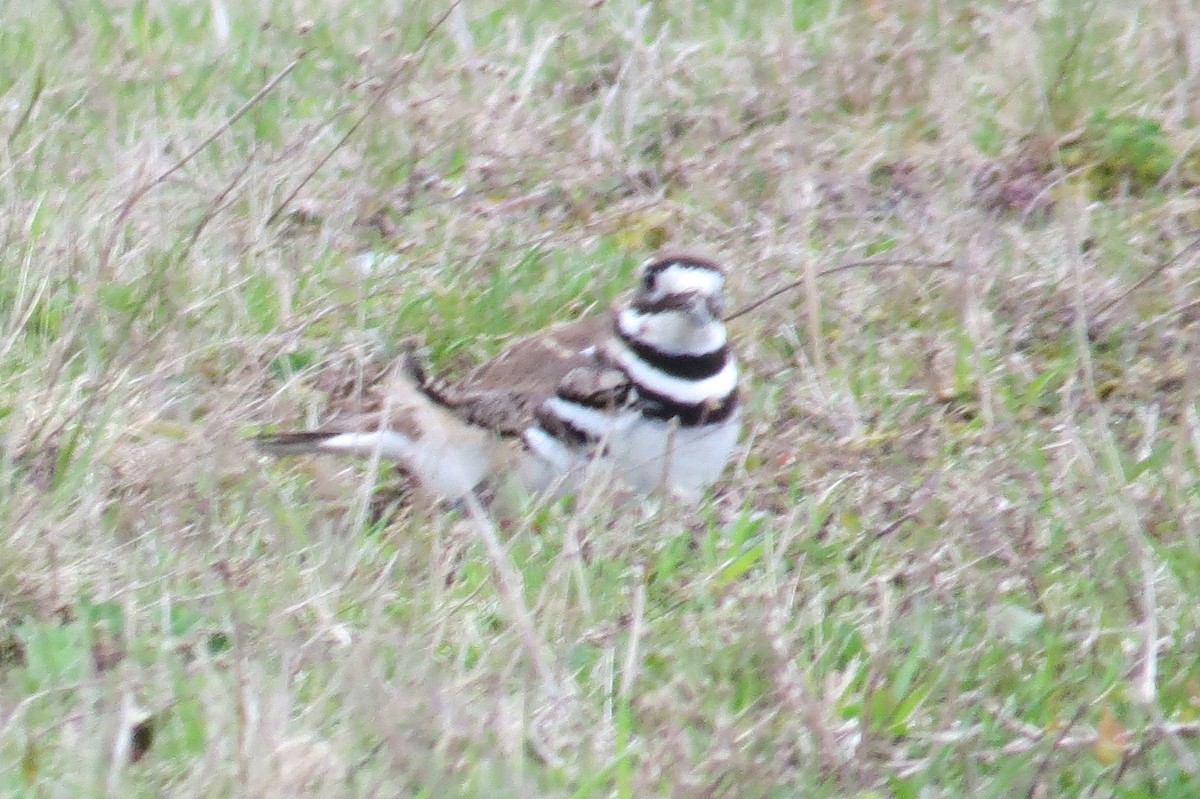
column 1121, row 152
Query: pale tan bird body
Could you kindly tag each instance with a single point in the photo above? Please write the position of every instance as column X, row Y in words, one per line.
column 646, row 396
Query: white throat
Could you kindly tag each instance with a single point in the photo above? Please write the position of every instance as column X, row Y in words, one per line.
column 672, row 332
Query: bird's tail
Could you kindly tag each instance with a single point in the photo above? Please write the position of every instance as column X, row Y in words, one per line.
column 293, row 443
column 448, row 455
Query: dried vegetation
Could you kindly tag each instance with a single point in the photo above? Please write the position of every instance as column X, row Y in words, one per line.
column 959, row 557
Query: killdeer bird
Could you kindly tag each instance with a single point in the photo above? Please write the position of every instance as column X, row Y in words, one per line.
column 648, row 393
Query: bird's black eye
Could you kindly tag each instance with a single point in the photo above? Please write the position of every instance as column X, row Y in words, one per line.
column 648, row 280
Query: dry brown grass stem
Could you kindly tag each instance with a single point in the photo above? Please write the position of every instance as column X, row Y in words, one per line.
column 382, row 94
column 865, row 264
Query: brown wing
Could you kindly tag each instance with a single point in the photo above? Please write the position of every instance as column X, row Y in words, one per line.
column 505, row 393
column 505, row 413
column 537, row 364
column 594, row 386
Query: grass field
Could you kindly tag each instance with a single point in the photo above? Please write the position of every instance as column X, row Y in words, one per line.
column 957, row 556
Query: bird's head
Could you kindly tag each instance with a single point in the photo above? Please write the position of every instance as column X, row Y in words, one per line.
column 677, row 307
column 681, row 284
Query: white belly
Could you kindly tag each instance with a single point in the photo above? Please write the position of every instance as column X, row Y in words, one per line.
column 685, row 459
column 644, row 454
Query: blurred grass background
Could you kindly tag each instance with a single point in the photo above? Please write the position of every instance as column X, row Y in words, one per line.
column 958, row 556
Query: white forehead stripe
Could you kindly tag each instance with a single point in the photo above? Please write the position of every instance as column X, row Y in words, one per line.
column 679, row 278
